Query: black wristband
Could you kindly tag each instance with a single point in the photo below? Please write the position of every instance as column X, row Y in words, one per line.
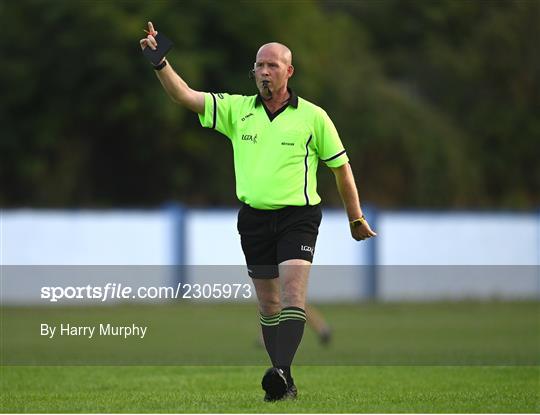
column 160, row 66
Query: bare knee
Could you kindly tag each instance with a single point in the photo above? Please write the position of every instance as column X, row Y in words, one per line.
column 294, row 300
column 294, row 276
column 269, row 305
column 268, row 296
column 293, row 294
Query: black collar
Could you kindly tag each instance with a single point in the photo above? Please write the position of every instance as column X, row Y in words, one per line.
column 293, row 99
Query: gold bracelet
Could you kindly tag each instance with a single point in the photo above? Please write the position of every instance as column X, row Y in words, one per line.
column 359, row 221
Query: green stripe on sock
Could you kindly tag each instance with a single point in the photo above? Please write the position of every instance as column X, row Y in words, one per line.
column 263, row 323
column 293, row 313
column 292, row 310
column 272, row 317
column 272, row 320
column 292, row 318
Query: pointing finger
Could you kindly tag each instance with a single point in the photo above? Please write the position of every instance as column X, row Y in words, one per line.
column 154, row 33
column 151, row 28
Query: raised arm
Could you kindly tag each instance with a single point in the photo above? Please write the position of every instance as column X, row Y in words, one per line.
column 177, row 89
column 359, row 226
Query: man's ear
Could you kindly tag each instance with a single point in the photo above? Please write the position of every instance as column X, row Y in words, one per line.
column 290, row 70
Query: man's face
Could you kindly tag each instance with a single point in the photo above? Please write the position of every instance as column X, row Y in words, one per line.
column 272, row 71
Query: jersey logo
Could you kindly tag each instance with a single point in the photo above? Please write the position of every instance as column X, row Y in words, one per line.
column 245, row 117
column 249, row 137
column 284, row 143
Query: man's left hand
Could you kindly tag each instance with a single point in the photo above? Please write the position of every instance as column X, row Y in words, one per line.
column 360, row 230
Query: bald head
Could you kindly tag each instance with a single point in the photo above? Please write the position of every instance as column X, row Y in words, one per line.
column 278, row 50
column 272, row 70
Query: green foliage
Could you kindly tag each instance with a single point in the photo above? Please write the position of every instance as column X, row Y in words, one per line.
column 433, row 100
column 478, row 63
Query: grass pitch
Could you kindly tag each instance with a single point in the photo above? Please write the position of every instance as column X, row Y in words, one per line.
column 235, row 389
column 430, row 357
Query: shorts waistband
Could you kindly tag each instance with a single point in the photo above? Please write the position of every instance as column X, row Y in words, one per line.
column 280, row 210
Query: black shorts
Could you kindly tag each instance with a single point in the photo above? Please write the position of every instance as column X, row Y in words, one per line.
column 270, row 237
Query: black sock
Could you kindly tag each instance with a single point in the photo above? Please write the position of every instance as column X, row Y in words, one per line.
column 270, row 326
column 291, row 329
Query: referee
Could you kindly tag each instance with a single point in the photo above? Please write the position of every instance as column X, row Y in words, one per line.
column 278, row 139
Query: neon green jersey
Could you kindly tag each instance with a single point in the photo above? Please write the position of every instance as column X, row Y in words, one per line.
column 275, row 155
